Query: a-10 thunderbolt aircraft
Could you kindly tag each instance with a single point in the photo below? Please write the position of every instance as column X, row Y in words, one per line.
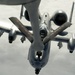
column 42, row 34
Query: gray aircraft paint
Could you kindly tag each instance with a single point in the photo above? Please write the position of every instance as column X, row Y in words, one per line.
column 14, row 61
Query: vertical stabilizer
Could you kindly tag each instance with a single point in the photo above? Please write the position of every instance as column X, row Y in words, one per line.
column 70, row 20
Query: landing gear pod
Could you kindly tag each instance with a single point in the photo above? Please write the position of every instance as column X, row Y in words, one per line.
column 71, row 44
column 12, row 36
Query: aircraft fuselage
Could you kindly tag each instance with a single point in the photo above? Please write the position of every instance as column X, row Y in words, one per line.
column 15, row 2
column 39, row 58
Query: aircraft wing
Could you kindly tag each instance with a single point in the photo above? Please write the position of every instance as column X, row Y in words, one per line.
column 29, row 36
column 64, row 39
column 6, row 27
column 12, row 30
column 69, row 39
column 19, row 29
column 61, row 39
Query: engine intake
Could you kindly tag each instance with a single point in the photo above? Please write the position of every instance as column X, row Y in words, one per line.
column 26, row 15
column 59, row 18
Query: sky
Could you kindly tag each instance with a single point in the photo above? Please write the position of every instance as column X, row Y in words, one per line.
column 13, row 57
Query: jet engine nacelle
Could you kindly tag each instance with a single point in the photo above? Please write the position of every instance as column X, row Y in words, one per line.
column 12, row 36
column 26, row 15
column 59, row 18
column 71, row 44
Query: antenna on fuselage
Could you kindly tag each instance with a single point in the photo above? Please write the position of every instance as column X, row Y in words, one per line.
column 70, row 20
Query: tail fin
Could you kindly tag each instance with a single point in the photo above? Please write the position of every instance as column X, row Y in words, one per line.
column 21, row 13
column 70, row 20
